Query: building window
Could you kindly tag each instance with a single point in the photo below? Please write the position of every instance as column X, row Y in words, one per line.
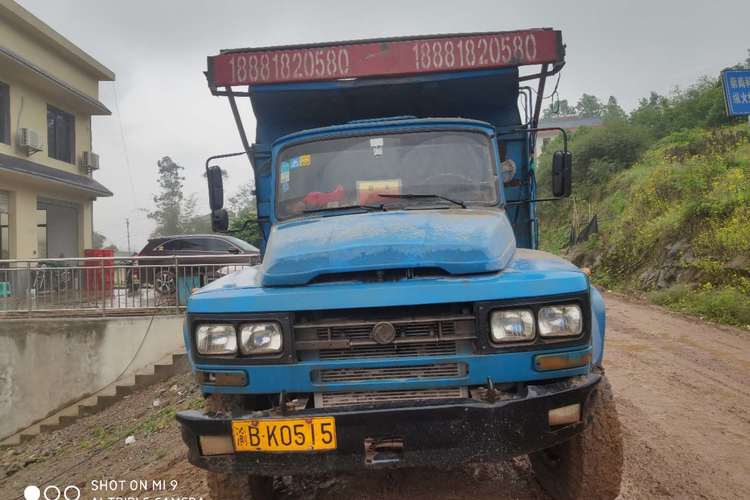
column 4, row 113
column 41, row 234
column 4, row 229
column 60, row 135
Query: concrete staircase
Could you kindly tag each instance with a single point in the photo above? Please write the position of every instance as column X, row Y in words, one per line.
column 168, row 366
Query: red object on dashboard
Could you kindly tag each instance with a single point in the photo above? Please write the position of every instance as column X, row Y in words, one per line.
column 319, row 199
column 385, row 57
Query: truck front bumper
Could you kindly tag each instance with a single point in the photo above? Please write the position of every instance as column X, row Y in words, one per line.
column 445, row 434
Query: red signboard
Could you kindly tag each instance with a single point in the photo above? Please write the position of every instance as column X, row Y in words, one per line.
column 385, row 57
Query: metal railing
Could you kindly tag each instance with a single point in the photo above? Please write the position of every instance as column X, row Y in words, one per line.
column 108, row 285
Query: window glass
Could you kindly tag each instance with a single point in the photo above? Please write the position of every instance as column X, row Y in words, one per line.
column 4, row 113
column 244, row 245
column 172, row 245
column 355, row 170
column 60, row 135
column 217, row 245
column 194, row 245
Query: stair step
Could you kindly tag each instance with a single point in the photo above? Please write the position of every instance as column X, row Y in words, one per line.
column 166, row 367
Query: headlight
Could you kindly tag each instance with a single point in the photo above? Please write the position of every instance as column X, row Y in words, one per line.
column 261, row 338
column 560, row 321
column 512, row 325
column 216, row 339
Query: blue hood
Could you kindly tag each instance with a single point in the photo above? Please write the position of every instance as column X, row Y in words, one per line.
column 460, row 241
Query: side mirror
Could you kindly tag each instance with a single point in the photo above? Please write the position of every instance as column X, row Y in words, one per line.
column 215, row 188
column 219, row 220
column 562, row 174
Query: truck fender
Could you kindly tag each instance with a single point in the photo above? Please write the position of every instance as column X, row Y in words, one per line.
column 598, row 324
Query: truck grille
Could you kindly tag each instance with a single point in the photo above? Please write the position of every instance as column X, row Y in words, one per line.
column 443, row 370
column 391, row 350
column 434, row 333
column 336, row 399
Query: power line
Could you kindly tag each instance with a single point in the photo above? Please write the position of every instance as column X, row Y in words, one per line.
column 124, row 146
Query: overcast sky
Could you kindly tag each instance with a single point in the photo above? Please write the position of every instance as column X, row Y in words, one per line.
column 161, row 106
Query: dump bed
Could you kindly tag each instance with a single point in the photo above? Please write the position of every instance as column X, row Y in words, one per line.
column 475, row 76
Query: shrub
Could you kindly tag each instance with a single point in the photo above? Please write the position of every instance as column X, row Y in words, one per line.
column 725, row 304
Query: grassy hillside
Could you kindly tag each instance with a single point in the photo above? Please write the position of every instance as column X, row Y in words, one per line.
column 674, row 215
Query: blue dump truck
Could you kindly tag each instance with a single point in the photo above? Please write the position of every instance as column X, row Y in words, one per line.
column 401, row 315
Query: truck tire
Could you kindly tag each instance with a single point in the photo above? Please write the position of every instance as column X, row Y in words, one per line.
column 239, row 486
column 234, row 486
column 589, row 465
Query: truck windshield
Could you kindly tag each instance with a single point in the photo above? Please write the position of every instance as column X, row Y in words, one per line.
column 352, row 171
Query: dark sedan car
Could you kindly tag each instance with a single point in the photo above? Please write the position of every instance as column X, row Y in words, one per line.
column 200, row 258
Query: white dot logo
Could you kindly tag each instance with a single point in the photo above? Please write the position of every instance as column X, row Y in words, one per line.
column 31, row 492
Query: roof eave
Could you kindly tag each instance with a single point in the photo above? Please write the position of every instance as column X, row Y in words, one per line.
column 74, row 53
column 91, row 105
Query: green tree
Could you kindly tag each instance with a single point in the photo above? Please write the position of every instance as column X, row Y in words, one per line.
column 244, row 226
column 650, row 114
column 745, row 64
column 589, row 106
column 168, row 214
column 244, row 214
column 558, row 108
column 700, row 105
column 613, row 112
column 192, row 223
column 244, row 198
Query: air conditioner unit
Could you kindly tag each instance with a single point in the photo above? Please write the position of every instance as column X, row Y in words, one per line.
column 28, row 140
column 90, row 160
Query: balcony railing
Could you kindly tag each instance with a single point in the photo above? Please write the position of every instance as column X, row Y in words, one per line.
column 108, row 285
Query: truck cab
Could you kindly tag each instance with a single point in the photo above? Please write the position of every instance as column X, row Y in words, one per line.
column 401, row 315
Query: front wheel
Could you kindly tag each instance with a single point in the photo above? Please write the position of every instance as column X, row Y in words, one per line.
column 589, row 465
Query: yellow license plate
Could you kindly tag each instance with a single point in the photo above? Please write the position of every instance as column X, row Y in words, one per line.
column 303, row 434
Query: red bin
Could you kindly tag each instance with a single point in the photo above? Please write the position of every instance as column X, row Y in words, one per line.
column 99, row 272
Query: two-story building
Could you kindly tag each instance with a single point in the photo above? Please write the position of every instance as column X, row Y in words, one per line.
column 49, row 90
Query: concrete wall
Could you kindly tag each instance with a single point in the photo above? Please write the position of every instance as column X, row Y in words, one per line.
column 47, row 363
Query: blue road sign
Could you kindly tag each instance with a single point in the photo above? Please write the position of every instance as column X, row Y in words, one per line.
column 737, row 91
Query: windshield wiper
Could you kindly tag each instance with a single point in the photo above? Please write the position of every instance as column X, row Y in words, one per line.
column 367, row 208
column 414, row 196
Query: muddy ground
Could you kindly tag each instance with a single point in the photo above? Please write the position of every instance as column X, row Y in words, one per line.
column 680, row 384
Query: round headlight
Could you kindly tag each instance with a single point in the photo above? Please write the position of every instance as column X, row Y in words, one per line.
column 512, row 325
column 261, row 338
column 216, row 339
column 560, row 321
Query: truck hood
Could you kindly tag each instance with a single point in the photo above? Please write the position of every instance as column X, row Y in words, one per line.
column 457, row 241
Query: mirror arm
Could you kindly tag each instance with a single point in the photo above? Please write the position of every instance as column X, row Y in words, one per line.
column 537, row 129
column 542, row 129
column 216, row 157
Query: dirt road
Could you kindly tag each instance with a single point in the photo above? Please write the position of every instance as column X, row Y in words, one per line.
column 681, row 390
